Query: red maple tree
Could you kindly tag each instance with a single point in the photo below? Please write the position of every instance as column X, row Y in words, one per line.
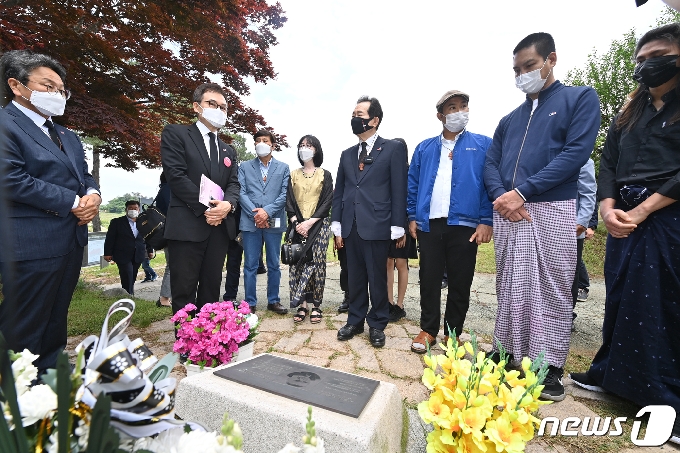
column 133, row 65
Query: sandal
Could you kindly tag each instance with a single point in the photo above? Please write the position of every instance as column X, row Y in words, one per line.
column 316, row 315
column 422, row 342
column 300, row 315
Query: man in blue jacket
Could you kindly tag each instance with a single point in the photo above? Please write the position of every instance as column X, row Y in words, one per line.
column 531, row 173
column 450, row 213
column 264, row 183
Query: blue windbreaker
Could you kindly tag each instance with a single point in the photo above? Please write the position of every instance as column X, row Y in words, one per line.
column 470, row 204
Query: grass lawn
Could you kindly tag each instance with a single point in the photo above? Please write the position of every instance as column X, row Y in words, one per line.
column 89, row 307
column 105, row 217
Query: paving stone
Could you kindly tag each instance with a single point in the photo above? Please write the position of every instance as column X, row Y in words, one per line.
column 411, row 329
column 267, row 337
column 261, row 347
column 395, row 330
column 337, row 325
column 164, row 325
column 366, row 353
column 277, row 324
column 344, row 362
column 402, row 344
column 318, row 353
column 306, row 325
column 566, row 408
column 292, row 343
column 327, row 339
column 301, row 358
column 400, row 363
column 410, row 390
column 340, row 317
column 537, row 445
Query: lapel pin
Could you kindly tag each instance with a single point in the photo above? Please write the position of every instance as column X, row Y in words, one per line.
column 227, row 162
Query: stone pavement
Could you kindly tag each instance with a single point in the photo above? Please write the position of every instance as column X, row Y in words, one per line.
column 316, row 344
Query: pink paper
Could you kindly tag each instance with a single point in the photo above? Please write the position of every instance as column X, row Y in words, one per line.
column 209, row 191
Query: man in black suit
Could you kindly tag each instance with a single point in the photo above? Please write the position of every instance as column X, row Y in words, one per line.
column 198, row 236
column 369, row 210
column 126, row 246
column 47, row 197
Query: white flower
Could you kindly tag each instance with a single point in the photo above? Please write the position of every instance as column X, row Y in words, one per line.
column 252, row 320
column 312, row 449
column 24, row 371
column 83, row 433
column 36, row 404
column 290, row 448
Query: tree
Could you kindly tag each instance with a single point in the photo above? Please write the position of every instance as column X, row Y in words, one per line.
column 117, row 205
column 133, row 65
column 239, row 144
column 611, row 75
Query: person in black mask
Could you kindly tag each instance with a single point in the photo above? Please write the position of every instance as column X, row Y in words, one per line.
column 369, row 210
column 638, row 189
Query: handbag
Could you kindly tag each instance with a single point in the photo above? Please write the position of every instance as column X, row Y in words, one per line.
column 291, row 252
column 151, row 225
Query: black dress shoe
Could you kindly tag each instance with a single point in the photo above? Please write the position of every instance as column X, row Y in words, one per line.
column 277, row 308
column 344, row 306
column 261, row 270
column 348, row 331
column 376, row 337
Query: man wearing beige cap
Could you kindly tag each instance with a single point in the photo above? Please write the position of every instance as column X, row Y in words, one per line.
column 450, row 214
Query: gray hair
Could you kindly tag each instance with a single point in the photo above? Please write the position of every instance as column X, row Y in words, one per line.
column 18, row 64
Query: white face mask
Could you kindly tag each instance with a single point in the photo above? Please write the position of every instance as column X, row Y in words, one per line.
column 47, row 103
column 456, row 122
column 216, row 117
column 262, row 149
column 531, row 82
column 306, row 154
column 133, row 213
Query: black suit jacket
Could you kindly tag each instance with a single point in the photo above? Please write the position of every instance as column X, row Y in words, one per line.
column 185, row 159
column 376, row 196
column 122, row 244
column 38, row 185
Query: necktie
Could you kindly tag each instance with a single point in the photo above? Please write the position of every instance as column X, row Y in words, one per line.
column 214, row 160
column 362, row 156
column 53, row 134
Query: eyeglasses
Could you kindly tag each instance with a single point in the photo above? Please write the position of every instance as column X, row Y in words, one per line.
column 215, row 105
column 66, row 94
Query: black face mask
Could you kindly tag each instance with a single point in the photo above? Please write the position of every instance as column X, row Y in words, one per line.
column 360, row 125
column 656, row 71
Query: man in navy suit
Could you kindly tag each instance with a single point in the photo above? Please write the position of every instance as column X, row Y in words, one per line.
column 198, row 236
column 125, row 246
column 369, row 210
column 47, row 197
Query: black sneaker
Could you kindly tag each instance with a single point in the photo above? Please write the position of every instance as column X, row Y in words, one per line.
column 553, row 389
column 396, row 313
column 584, row 381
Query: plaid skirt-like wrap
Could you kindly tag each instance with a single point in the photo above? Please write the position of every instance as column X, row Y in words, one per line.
column 535, row 268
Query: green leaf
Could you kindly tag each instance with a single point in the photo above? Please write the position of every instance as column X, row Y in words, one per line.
column 8, row 389
column 63, row 402
column 103, row 438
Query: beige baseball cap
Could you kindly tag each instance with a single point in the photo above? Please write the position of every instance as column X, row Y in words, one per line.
column 449, row 94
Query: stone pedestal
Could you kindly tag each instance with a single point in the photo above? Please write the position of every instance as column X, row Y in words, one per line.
column 270, row 421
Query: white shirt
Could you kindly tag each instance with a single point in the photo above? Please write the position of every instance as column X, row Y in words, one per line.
column 395, row 231
column 39, row 121
column 133, row 225
column 441, row 191
column 203, row 129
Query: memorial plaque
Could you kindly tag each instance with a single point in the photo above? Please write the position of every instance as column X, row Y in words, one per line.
column 322, row 387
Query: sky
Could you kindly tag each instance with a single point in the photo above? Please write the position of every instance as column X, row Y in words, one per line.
column 407, row 54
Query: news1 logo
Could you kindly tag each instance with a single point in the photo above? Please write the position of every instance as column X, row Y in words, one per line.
column 659, row 426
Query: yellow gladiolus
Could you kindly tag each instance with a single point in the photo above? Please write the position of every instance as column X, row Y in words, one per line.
column 430, row 379
column 501, row 433
column 434, row 410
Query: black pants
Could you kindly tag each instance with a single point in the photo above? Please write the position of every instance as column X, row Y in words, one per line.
column 445, row 248
column 128, row 275
column 234, row 259
column 342, row 257
column 583, row 277
column 196, row 269
column 367, row 272
column 37, row 294
column 579, row 256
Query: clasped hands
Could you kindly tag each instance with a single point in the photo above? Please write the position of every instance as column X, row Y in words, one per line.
column 88, row 207
column 620, row 223
column 261, row 218
column 482, row 234
column 303, row 227
column 217, row 212
column 511, row 206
